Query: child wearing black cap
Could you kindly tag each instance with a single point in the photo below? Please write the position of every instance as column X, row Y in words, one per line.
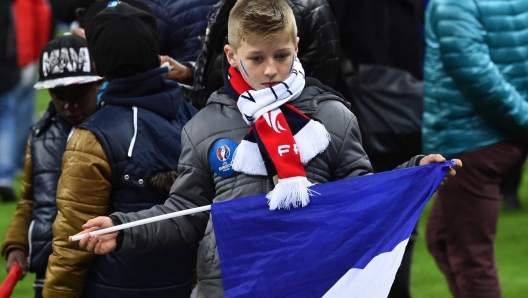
column 123, row 158
column 67, row 71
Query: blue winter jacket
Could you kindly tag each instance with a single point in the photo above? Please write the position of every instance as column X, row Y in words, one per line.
column 476, row 74
column 181, row 23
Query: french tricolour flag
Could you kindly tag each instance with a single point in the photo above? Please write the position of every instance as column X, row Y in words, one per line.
column 348, row 242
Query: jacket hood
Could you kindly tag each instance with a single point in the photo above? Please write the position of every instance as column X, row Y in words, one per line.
column 150, row 90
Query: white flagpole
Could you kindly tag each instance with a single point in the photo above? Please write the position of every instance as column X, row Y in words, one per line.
column 143, row 221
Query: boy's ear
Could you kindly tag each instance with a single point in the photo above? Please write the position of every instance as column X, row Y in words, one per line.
column 230, row 54
column 297, row 45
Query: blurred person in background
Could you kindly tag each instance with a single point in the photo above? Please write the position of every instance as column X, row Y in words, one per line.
column 33, row 31
column 181, row 23
column 381, row 64
column 9, row 78
column 72, row 87
column 475, row 109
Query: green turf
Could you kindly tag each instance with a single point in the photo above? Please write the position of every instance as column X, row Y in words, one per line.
column 426, row 279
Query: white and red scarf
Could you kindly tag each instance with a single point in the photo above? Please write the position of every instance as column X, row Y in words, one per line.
column 281, row 138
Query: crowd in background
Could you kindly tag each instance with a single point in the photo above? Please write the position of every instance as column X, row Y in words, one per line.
column 439, row 76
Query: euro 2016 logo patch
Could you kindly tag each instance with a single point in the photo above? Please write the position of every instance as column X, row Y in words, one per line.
column 223, row 153
column 221, row 157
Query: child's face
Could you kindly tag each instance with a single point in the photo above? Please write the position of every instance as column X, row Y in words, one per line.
column 75, row 102
column 263, row 63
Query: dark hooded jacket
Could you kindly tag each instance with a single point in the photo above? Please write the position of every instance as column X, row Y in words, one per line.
column 122, row 158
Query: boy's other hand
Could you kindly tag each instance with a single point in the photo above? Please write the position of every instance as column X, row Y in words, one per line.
column 17, row 256
column 98, row 244
column 177, row 71
column 434, row 158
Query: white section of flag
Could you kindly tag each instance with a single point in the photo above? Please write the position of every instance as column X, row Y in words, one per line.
column 374, row 281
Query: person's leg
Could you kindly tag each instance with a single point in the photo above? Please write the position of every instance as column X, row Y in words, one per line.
column 510, row 187
column 470, row 207
column 7, row 140
column 25, row 109
column 435, row 237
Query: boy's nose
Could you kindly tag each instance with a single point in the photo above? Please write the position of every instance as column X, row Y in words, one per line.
column 270, row 70
column 70, row 106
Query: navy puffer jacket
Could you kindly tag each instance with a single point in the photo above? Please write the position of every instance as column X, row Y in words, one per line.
column 181, row 23
column 48, row 143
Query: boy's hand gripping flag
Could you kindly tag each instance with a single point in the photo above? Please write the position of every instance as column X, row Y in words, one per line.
column 348, row 242
column 9, row 283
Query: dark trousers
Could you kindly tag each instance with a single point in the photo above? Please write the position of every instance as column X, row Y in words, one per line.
column 463, row 222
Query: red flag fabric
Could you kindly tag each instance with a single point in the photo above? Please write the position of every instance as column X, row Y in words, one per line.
column 9, row 283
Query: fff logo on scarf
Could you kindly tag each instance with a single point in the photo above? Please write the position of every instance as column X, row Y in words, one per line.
column 221, row 157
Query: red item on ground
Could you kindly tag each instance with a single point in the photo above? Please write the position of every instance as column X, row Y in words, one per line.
column 9, row 283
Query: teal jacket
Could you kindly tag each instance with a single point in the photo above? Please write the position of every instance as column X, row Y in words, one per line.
column 475, row 75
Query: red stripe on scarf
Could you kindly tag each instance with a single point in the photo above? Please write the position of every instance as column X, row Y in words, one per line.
column 281, row 147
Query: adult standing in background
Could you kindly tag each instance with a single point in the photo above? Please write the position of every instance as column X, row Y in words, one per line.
column 181, row 23
column 475, row 109
column 9, row 78
column 381, row 64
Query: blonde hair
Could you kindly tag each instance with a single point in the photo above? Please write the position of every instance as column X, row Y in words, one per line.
column 265, row 19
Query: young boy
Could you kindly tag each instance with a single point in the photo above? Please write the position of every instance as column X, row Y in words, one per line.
column 66, row 70
column 290, row 131
column 123, row 158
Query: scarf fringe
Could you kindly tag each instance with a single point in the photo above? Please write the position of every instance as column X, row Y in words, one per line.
column 311, row 140
column 248, row 159
column 292, row 191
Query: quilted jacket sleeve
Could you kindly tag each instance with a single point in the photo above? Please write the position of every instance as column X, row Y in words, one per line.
column 318, row 39
column 83, row 193
column 16, row 236
column 466, row 59
column 181, row 23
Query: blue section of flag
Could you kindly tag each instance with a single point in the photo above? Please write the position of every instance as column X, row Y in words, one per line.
column 303, row 252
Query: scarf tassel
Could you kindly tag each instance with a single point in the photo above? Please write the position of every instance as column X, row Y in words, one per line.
column 288, row 192
column 311, row 140
column 248, row 159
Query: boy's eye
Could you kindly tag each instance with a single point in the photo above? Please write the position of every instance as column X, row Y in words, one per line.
column 256, row 59
column 282, row 56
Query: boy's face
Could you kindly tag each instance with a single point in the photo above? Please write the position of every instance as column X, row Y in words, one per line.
column 75, row 102
column 263, row 63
